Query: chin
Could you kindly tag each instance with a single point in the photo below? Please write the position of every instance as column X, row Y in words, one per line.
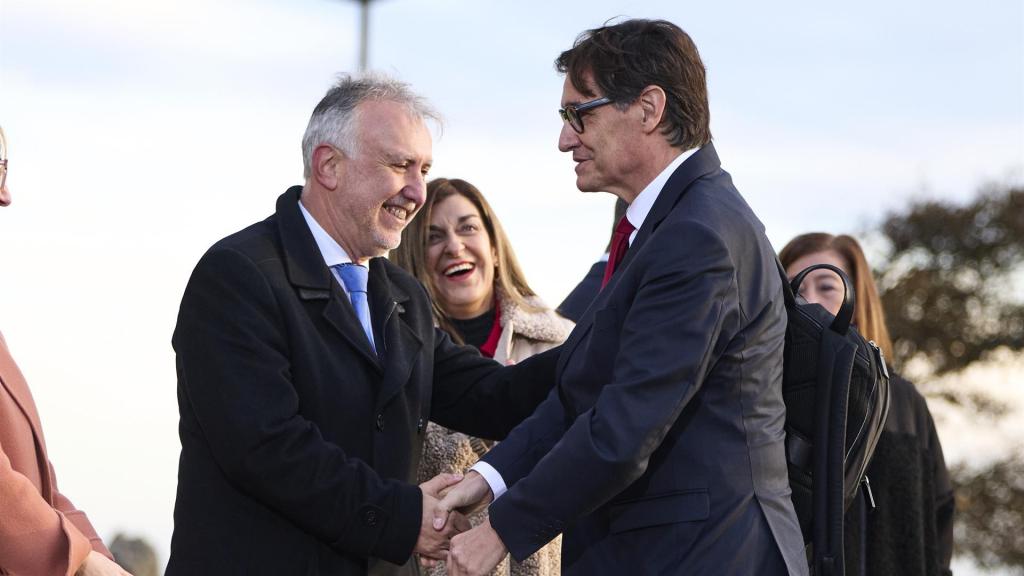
column 584, row 186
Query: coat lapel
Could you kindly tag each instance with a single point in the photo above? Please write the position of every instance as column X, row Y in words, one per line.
column 13, row 382
column 312, row 279
column 397, row 344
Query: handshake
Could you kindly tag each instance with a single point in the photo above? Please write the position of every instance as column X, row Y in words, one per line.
column 446, row 534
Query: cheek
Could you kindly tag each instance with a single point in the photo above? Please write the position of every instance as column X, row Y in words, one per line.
column 833, row 302
column 433, row 258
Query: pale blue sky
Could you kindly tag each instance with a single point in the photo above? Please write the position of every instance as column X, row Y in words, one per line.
column 143, row 131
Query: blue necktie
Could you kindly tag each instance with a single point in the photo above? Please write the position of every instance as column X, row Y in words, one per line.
column 354, row 276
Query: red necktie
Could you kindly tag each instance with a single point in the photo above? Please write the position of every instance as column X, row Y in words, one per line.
column 620, row 242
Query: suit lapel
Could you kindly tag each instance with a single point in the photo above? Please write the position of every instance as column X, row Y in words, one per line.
column 582, row 328
column 701, row 163
column 397, row 343
column 311, row 278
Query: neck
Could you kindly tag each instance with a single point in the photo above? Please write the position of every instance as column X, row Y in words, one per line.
column 316, row 201
column 655, row 157
column 470, row 311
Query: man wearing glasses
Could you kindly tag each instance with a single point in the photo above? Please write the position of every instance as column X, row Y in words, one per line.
column 662, row 449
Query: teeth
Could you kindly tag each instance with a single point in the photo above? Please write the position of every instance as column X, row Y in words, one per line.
column 461, row 267
column 397, row 212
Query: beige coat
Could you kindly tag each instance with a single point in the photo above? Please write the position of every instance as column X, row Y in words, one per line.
column 523, row 334
column 41, row 532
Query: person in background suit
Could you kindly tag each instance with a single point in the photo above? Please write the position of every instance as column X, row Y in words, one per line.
column 458, row 249
column 661, row 450
column 576, row 303
column 909, row 532
column 308, row 366
column 41, row 531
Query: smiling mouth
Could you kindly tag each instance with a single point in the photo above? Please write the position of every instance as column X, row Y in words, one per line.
column 398, row 212
column 459, row 270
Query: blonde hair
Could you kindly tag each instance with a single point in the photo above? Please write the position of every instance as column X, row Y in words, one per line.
column 868, row 315
column 411, row 254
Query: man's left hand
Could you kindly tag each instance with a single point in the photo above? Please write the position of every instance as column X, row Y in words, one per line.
column 476, row 552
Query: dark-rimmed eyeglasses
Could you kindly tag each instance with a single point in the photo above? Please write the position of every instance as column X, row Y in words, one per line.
column 571, row 112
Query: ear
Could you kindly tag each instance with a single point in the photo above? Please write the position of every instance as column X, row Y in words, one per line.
column 325, row 164
column 652, row 107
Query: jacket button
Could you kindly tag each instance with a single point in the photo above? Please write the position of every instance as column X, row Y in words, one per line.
column 420, row 424
column 370, row 517
column 380, row 422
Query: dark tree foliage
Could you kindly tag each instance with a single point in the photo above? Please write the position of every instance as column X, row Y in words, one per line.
column 953, row 290
column 950, row 288
column 990, row 513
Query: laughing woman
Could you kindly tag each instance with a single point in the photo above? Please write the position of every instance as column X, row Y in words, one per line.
column 457, row 248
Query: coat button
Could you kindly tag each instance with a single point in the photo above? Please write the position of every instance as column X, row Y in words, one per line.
column 380, row 422
column 370, row 517
column 420, row 424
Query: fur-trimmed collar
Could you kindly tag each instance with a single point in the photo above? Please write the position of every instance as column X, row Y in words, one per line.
column 544, row 326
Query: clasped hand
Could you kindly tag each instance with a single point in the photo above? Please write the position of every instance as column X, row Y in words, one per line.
column 433, row 544
column 479, row 550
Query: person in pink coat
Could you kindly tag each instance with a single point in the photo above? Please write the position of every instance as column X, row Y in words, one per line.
column 41, row 531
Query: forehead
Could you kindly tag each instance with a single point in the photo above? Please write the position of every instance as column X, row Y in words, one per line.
column 391, row 127
column 570, row 95
column 824, row 257
column 452, row 208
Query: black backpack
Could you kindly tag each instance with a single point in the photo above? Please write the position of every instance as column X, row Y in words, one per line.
column 836, row 388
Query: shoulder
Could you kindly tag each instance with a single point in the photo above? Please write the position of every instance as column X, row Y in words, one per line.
column 905, row 395
column 542, row 324
column 908, row 409
column 255, row 242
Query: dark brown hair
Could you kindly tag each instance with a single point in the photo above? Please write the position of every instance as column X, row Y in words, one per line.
column 868, row 315
column 411, row 253
column 623, row 59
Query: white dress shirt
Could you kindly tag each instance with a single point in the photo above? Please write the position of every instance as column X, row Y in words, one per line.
column 331, row 251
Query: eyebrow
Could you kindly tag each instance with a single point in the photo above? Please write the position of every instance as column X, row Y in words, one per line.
column 460, row 221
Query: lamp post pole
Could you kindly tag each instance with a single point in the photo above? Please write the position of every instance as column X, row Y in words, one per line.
column 364, row 32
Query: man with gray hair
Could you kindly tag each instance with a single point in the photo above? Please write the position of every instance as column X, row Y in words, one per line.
column 308, row 366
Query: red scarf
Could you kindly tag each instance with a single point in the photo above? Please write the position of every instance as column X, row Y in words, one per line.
column 491, row 345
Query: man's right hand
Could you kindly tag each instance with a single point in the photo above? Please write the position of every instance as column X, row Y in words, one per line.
column 468, row 496
column 97, row 564
column 433, row 544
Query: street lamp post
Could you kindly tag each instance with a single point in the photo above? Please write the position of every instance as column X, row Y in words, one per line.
column 364, row 32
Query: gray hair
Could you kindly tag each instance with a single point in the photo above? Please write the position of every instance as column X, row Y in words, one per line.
column 334, row 118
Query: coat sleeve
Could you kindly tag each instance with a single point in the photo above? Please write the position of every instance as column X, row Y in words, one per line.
column 35, row 538
column 77, row 517
column 479, row 397
column 234, row 376
column 944, row 500
column 665, row 346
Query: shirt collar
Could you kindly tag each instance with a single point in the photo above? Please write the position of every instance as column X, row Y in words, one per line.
column 642, row 204
column 332, row 252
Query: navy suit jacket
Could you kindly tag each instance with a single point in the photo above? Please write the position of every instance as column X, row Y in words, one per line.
column 577, row 302
column 661, row 449
column 299, row 444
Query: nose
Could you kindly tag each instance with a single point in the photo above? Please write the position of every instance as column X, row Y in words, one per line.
column 567, row 138
column 415, row 187
column 452, row 243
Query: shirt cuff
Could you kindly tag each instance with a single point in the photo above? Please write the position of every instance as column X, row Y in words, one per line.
column 492, row 477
